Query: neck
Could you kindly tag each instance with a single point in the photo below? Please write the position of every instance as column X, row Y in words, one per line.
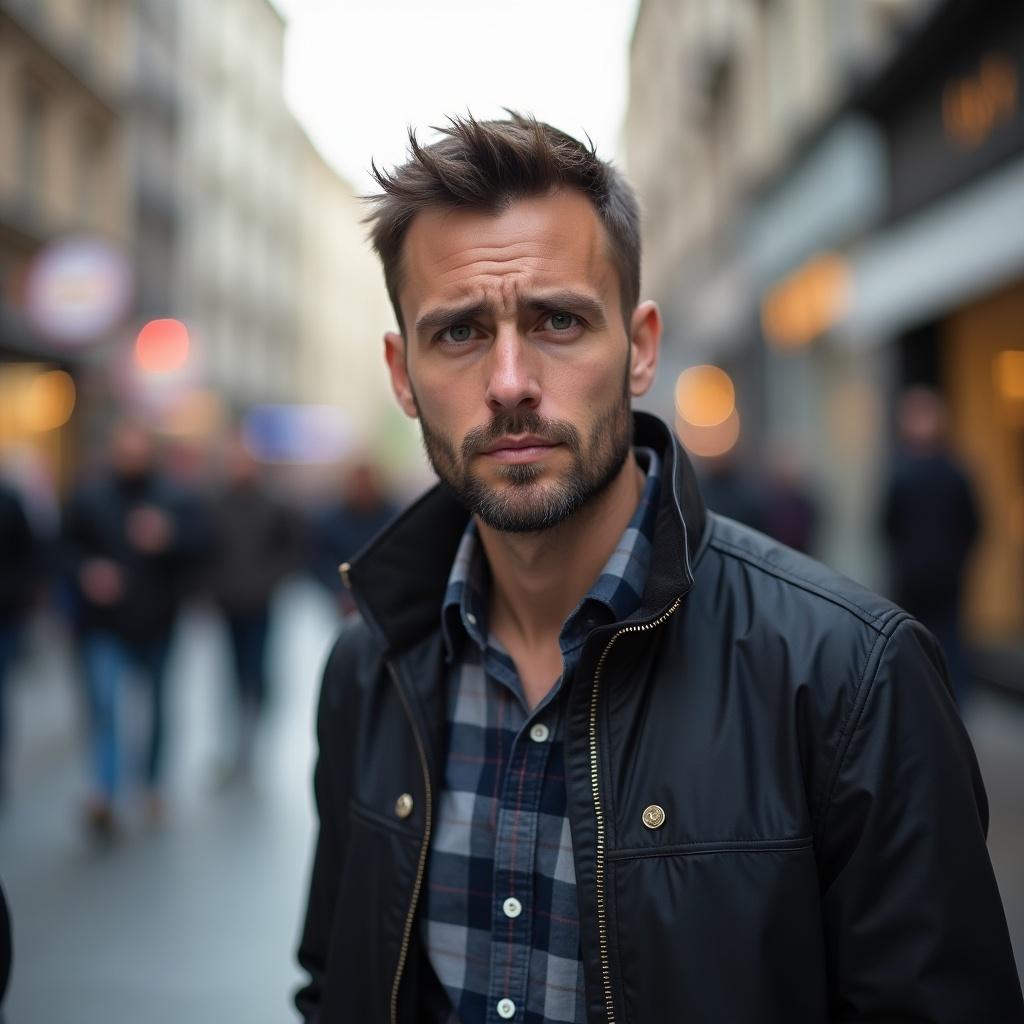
column 539, row 578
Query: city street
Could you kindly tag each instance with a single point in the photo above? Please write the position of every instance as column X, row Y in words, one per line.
column 196, row 920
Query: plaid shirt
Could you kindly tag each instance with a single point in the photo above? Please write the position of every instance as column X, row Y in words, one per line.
column 500, row 920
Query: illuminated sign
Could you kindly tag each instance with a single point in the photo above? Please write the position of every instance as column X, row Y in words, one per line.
column 975, row 106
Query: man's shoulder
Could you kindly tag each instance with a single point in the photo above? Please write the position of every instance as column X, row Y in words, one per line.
column 353, row 663
column 776, row 573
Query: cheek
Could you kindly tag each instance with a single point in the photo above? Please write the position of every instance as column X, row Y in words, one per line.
column 444, row 401
column 587, row 388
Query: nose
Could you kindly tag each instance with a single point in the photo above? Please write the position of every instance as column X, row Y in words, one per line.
column 512, row 381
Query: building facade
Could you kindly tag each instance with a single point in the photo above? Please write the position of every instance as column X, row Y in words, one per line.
column 237, row 170
column 66, row 217
column 829, row 187
column 343, row 314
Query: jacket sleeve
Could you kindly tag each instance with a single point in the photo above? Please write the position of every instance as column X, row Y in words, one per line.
column 914, row 926
column 332, row 785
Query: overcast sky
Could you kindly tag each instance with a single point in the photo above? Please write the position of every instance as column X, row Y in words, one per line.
column 358, row 72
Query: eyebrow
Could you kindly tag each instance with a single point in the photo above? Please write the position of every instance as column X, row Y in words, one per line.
column 553, row 302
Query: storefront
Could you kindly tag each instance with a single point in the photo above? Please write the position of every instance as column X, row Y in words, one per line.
column 940, row 283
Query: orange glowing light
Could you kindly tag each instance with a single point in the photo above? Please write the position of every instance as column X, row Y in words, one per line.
column 1008, row 370
column 709, row 442
column 162, row 346
column 813, row 299
column 705, row 396
column 49, row 401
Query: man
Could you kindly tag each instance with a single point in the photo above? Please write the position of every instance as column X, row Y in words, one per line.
column 19, row 569
column 126, row 536
column 339, row 529
column 591, row 753
column 930, row 523
column 255, row 544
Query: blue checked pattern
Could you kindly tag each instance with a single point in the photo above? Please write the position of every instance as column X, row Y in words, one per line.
column 502, row 831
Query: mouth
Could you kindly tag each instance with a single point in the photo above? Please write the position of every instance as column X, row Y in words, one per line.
column 527, row 448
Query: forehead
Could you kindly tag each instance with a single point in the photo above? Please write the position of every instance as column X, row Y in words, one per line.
column 545, row 242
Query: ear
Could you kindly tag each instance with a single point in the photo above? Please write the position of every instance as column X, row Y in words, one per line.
column 394, row 355
column 645, row 343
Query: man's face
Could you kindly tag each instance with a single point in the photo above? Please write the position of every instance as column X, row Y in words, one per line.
column 516, row 357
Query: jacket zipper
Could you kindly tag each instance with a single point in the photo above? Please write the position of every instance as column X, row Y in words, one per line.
column 403, row 950
column 602, row 924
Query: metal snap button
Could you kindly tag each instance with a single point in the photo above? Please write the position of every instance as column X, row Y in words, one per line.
column 654, row 816
column 506, row 1009
column 403, row 805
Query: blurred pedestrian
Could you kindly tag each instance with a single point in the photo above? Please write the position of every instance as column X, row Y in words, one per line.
column 930, row 522
column 124, row 535
column 255, row 545
column 341, row 528
column 790, row 508
column 729, row 490
column 18, row 565
column 6, row 949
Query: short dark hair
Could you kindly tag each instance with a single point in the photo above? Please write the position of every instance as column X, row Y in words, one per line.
column 486, row 165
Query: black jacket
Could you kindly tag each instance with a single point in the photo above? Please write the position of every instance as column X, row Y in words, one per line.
column 255, row 544
column 823, row 851
column 95, row 525
column 18, row 558
column 930, row 521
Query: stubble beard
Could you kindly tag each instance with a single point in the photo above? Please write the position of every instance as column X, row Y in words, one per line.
column 524, row 504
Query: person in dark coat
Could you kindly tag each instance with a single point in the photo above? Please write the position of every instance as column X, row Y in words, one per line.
column 255, row 543
column 18, row 565
column 930, row 522
column 125, row 536
column 6, row 950
column 589, row 752
column 341, row 528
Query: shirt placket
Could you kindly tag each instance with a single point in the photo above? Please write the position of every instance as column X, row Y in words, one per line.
column 513, row 890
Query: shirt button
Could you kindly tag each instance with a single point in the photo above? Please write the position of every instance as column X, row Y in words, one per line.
column 539, row 733
column 471, row 618
column 506, row 1009
column 512, row 907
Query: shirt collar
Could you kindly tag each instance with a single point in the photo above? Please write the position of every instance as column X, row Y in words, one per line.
column 615, row 595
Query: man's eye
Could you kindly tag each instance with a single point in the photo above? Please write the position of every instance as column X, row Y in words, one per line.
column 460, row 332
column 562, row 321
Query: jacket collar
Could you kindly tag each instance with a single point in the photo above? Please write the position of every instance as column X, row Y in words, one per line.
column 399, row 578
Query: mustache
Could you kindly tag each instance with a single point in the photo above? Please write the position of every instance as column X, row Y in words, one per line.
column 525, row 422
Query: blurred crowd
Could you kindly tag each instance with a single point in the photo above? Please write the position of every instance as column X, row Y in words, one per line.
column 153, row 528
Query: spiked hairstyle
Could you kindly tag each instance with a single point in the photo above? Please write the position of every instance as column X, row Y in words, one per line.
column 486, row 165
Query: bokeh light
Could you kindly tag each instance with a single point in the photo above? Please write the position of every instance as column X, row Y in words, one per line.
column 1009, row 375
column 809, row 302
column 162, row 346
column 710, row 442
column 705, row 396
column 49, row 401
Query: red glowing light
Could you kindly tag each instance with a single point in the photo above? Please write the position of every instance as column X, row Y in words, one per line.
column 162, row 346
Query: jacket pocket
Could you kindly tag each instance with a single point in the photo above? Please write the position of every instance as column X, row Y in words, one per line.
column 719, row 932
column 373, row 899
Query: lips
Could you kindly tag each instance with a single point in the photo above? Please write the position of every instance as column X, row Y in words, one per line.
column 518, row 444
column 526, row 448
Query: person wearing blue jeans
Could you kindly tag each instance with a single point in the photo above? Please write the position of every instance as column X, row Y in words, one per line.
column 106, row 660
column 128, row 535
